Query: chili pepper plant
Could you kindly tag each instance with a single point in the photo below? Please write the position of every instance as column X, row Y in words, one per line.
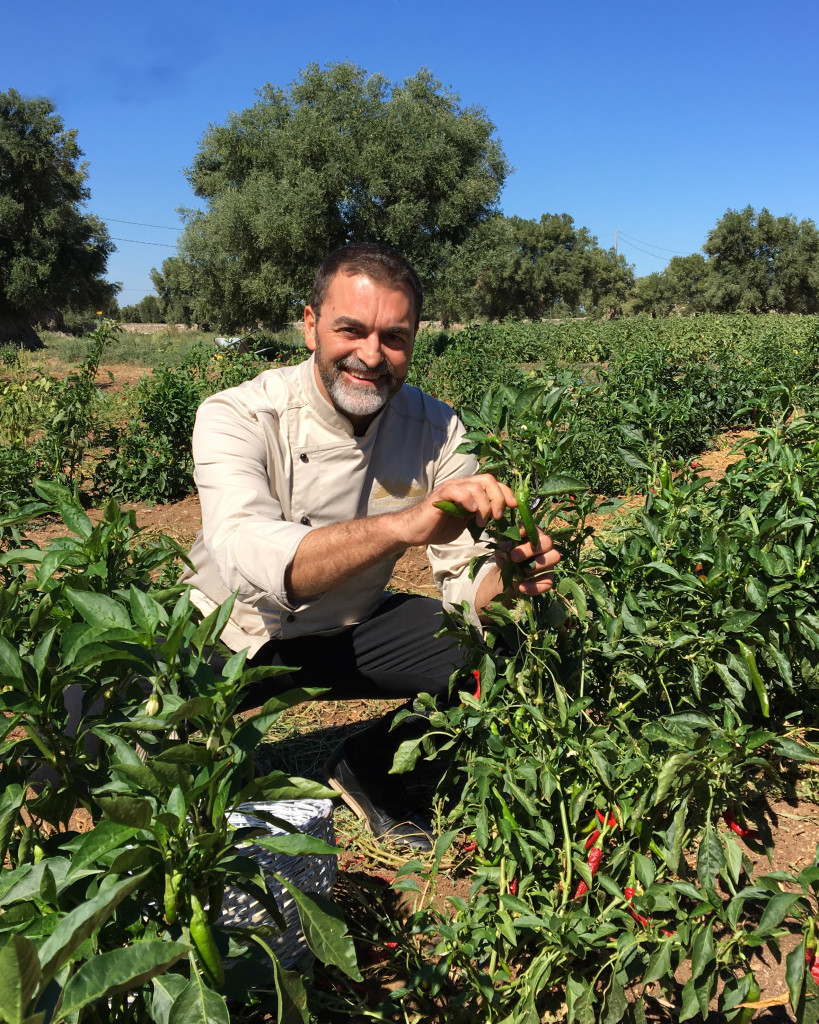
column 655, row 695
column 114, row 717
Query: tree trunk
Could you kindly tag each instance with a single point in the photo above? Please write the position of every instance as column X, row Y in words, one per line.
column 17, row 331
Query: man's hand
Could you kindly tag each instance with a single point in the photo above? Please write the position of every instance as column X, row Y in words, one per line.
column 482, row 496
column 534, row 575
column 535, row 563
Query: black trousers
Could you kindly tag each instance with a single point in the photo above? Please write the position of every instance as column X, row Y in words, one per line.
column 394, row 653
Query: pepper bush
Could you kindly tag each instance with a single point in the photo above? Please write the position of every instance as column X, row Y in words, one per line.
column 654, row 695
column 112, row 708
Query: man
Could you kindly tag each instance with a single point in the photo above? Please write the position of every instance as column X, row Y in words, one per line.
column 314, row 479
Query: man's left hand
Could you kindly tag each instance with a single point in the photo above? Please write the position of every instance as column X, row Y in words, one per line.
column 535, row 564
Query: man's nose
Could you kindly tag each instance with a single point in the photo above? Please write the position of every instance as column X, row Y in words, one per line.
column 370, row 351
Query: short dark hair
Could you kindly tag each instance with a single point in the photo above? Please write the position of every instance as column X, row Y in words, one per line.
column 369, row 259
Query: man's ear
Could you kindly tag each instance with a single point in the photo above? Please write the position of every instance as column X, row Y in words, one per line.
column 310, row 321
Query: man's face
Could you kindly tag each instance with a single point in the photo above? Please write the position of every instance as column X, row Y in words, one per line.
column 363, row 343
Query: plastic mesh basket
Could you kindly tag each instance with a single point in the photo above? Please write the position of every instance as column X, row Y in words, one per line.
column 314, row 873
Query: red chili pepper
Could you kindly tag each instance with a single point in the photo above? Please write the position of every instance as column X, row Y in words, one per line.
column 513, row 887
column 593, row 837
column 630, row 893
column 740, row 830
column 812, row 963
column 477, row 693
column 612, row 822
column 470, row 847
column 595, row 857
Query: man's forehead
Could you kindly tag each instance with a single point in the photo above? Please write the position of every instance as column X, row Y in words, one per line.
column 344, row 275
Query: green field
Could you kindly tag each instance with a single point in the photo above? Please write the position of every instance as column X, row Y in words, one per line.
column 606, row 813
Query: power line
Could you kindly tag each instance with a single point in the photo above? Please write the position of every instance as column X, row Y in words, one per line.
column 676, row 252
column 139, row 224
column 633, row 246
column 137, row 241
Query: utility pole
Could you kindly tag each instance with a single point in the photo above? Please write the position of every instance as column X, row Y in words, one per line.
column 616, row 232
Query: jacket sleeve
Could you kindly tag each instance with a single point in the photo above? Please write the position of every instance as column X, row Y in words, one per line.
column 244, row 531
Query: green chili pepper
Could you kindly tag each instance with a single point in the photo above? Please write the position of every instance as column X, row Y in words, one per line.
column 173, row 882
column 664, row 474
column 26, row 843
column 522, row 721
column 202, row 935
column 453, row 508
column 216, row 894
column 746, row 1014
column 525, row 513
column 756, row 678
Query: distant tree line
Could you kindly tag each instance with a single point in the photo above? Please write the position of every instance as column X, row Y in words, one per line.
column 756, row 263
column 343, row 156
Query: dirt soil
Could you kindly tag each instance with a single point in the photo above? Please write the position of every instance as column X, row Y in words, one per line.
column 796, row 825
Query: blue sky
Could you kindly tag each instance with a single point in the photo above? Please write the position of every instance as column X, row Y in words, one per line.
column 646, row 118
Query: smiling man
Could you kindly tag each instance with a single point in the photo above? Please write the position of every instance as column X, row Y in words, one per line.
column 314, row 479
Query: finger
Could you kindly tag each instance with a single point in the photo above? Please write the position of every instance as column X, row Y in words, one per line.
column 499, row 496
column 527, row 551
column 533, row 586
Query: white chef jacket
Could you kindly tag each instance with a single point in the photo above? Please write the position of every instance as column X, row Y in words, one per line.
column 274, row 460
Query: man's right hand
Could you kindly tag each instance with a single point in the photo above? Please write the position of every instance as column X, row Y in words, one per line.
column 482, row 497
column 329, row 555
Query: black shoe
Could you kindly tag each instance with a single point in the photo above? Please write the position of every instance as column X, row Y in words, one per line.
column 366, row 803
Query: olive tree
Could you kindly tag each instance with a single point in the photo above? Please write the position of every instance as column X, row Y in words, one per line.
column 339, row 156
column 761, row 263
column 52, row 255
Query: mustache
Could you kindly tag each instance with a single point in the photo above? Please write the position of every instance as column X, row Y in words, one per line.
column 384, row 369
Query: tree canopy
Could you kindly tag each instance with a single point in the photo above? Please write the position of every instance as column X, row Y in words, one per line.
column 510, row 266
column 340, row 156
column 52, row 254
column 761, row 263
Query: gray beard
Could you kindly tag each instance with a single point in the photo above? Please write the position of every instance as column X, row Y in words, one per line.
column 355, row 400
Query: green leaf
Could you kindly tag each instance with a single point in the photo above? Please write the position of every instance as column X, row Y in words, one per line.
column 710, row 858
column 757, row 593
column 406, row 757
column 659, row 966
column 569, row 586
column 774, row 913
column 291, row 994
column 616, row 1003
column 166, row 989
column 127, row 968
column 11, row 667
column 739, row 621
column 789, row 748
column 11, row 800
column 19, row 978
column 98, row 609
column 733, row 858
column 88, row 847
column 70, row 510
column 635, row 624
column 325, row 930
column 82, row 922
column 795, row 972
column 633, row 460
column 145, row 611
column 561, row 483
column 127, row 810
column 295, row 844
column 670, row 772
column 198, row 1004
